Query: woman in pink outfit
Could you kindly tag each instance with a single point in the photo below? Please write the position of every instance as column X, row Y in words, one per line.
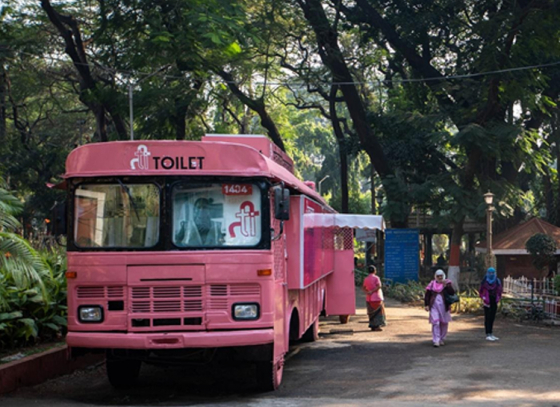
column 434, row 302
column 374, row 300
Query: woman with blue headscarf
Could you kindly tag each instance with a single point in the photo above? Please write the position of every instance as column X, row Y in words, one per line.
column 491, row 292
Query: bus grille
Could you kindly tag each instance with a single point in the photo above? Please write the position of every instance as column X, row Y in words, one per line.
column 188, row 298
column 180, row 306
column 166, row 299
column 100, row 292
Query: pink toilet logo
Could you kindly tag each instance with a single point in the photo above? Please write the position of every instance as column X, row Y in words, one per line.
column 247, row 220
column 141, row 159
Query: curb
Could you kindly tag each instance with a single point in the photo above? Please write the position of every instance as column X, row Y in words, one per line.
column 41, row 367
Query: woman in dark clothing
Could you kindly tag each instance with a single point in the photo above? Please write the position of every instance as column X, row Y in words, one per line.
column 491, row 292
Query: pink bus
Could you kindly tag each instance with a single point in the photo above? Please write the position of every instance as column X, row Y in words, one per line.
column 183, row 251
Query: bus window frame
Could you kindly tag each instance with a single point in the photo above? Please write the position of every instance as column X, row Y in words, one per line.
column 165, row 185
column 264, row 187
column 71, row 243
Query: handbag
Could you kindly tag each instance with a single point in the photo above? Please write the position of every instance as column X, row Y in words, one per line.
column 450, row 298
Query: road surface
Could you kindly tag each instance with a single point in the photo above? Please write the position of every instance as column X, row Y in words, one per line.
column 351, row 366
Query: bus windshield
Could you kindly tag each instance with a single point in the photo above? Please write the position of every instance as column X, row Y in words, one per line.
column 116, row 215
column 217, row 215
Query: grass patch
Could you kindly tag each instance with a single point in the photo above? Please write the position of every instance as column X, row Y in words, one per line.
column 29, row 350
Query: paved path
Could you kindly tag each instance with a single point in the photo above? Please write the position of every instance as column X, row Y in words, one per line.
column 396, row 367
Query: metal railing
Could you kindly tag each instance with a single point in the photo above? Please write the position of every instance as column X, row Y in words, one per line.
column 540, row 292
column 524, row 286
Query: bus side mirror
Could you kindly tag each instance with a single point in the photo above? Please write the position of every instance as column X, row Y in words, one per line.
column 281, row 203
column 58, row 223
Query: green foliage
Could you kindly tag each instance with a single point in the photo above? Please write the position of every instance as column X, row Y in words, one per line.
column 35, row 312
column 359, row 276
column 413, row 291
column 542, row 248
column 557, row 284
column 32, row 286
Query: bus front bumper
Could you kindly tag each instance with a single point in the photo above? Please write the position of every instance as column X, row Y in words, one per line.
column 171, row 340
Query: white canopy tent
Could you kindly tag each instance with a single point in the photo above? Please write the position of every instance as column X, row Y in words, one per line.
column 366, row 226
column 360, row 222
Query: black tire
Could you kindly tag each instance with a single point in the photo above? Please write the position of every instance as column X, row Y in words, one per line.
column 344, row 319
column 122, row 373
column 312, row 333
column 269, row 375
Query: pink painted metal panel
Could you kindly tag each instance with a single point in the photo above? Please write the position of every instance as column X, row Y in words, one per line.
column 310, row 250
column 259, row 142
column 96, row 285
column 175, row 340
column 165, row 157
column 341, row 294
column 294, row 243
column 158, row 275
column 308, row 302
column 317, row 248
column 159, row 291
column 281, row 327
column 169, row 258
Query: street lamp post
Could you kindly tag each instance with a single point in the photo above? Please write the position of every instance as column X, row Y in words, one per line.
column 489, row 199
column 319, row 183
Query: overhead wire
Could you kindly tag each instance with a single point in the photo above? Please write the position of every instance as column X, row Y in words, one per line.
column 377, row 81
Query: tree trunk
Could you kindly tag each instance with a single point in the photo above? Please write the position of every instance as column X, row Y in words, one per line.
column 333, row 58
column 374, row 204
column 549, row 197
column 100, row 122
column 455, row 253
column 179, row 120
column 69, row 30
column 556, row 138
column 3, row 79
column 342, row 150
column 257, row 105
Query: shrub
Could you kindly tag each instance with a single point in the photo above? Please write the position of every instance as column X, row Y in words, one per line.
column 413, row 291
column 37, row 311
column 542, row 248
column 557, row 284
column 32, row 284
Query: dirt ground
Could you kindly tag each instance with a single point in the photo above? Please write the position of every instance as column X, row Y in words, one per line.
column 352, row 366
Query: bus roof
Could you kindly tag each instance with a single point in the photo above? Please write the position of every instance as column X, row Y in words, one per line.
column 170, row 157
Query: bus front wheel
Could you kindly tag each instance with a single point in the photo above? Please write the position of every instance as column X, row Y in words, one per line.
column 269, row 375
column 122, row 373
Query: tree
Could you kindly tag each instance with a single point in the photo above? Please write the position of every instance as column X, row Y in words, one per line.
column 41, row 115
column 95, row 91
column 444, row 46
column 542, row 249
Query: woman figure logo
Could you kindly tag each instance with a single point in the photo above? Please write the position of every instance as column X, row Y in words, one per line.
column 141, row 159
column 247, row 223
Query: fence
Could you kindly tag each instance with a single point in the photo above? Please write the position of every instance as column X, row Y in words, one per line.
column 529, row 286
column 540, row 292
column 552, row 308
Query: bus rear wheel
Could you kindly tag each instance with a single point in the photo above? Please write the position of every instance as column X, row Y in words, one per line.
column 122, row 373
column 312, row 333
column 269, row 375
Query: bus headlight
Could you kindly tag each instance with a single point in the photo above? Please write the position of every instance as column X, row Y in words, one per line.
column 245, row 311
column 90, row 313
